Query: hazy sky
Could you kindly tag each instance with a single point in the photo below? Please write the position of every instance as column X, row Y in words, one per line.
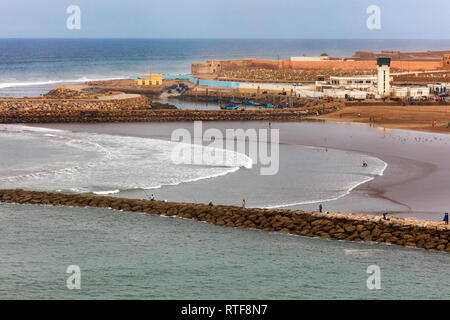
column 400, row 19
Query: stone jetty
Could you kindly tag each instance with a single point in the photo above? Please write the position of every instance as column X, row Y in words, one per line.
column 136, row 110
column 350, row 227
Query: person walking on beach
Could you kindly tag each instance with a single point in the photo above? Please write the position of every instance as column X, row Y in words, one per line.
column 243, row 203
column 320, row 208
column 446, row 218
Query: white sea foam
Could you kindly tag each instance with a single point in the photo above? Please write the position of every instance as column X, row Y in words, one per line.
column 107, row 192
column 106, row 164
column 4, row 85
column 25, row 128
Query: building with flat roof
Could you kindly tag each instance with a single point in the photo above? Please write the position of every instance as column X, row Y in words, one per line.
column 149, row 79
column 384, row 77
column 353, row 82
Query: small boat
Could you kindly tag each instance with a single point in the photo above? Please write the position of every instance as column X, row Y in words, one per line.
column 230, row 106
column 250, row 103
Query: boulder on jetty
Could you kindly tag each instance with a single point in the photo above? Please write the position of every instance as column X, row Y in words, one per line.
column 409, row 232
column 64, row 92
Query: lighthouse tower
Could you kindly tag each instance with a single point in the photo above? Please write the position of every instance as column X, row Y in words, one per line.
column 383, row 78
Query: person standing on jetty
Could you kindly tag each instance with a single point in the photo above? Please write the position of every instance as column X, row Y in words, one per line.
column 445, row 218
column 243, row 203
column 320, row 208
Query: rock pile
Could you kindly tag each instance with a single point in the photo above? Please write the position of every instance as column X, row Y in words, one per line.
column 65, row 93
column 350, row 227
column 135, row 110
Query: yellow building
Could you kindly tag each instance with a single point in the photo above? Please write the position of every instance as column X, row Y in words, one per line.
column 150, row 79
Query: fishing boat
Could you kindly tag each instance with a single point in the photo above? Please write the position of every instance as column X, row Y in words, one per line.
column 230, row 106
column 250, row 103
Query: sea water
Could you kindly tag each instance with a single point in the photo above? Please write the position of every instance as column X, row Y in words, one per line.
column 138, row 256
column 30, row 67
column 86, row 162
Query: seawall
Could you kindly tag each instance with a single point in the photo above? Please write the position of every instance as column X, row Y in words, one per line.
column 403, row 232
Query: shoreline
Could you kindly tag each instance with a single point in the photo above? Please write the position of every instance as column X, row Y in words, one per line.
column 419, row 118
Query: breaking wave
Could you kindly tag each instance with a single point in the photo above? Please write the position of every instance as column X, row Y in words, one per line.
column 105, row 164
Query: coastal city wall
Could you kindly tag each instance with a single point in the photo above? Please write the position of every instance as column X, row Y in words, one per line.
column 403, row 232
column 216, row 66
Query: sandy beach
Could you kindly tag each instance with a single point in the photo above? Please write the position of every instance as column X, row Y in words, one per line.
column 429, row 118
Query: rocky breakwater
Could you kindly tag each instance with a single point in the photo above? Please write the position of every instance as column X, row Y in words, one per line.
column 46, row 110
column 133, row 110
column 404, row 232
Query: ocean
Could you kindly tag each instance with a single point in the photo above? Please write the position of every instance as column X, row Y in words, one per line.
column 137, row 256
column 31, row 67
column 124, row 255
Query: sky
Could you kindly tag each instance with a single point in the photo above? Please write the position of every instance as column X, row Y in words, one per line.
column 312, row 19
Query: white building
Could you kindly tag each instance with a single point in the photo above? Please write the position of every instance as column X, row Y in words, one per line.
column 439, row 88
column 383, row 77
column 345, row 94
column 411, row 92
column 358, row 82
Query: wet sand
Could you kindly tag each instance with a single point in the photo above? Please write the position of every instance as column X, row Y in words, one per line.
column 429, row 118
column 416, row 182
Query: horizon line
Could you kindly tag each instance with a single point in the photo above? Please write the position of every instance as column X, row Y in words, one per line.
column 210, row 38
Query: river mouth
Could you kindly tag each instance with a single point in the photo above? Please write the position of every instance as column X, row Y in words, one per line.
column 135, row 166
